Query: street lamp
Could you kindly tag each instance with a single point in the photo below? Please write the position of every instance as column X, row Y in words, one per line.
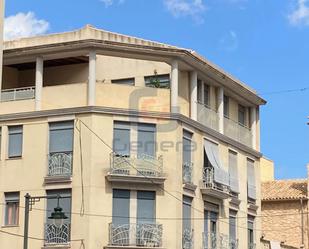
column 58, row 216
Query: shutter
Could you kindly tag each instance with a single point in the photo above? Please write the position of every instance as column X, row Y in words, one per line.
column 233, row 172
column 212, row 152
column 251, row 179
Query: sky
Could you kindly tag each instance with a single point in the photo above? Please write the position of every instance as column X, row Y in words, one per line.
column 263, row 43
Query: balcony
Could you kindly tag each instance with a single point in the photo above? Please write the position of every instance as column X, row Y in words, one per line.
column 207, row 116
column 17, row 94
column 59, row 167
column 237, row 132
column 57, row 237
column 187, row 239
column 218, row 241
column 142, row 235
column 140, row 169
column 209, row 187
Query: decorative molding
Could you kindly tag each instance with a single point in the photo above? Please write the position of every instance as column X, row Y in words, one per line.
column 132, row 113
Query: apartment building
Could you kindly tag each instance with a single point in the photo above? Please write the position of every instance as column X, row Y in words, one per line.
column 146, row 145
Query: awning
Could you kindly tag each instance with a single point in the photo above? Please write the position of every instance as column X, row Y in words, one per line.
column 212, row 151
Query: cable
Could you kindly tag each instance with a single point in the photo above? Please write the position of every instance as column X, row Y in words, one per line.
column 285, row 91
column 82, row 208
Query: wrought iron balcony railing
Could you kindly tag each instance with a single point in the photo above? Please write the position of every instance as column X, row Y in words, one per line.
column 17, row 94
column 218, row 241
column 141, row 235
column 251, row 246
column 210, row 183
column 60, row 164
column 238, row 132
column 207, row 116
column 141, row 165
column 187, row 172
column 55, row 235
column 187, row 239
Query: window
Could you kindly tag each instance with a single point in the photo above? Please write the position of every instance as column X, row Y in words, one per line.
column 121, row 142
column 146, row 139
column 186, row 156
column 232, row 229
column 251, row 244
column 11, row 208
column 187, row 235
column 226, row 106
column 127, row 81
column 52, row 230
column 199, row 91
column 146, row 207
column 158, row 81
column 242, row 115
column 61, row 137
column 15, row 141
column 206, row 95
column 210, row 224
column 251, row 185
column 121, row 206
column 233, row 172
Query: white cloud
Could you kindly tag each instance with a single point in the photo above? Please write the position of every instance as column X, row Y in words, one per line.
column 300, row 14
column 192, row 8
column 109, row 3
column 24, row 25
column 229, row 42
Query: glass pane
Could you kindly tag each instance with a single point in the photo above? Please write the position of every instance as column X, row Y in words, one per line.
column 145, row 207
column 121, row 207
column 146, row 143
column 121, row 141
column 64, row 203
column 232, row 227
column 186, row 157
column 15, row 144
column 61, row 140
column 186, row 213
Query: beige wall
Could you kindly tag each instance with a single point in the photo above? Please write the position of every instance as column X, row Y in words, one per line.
column 267, row 170
column 27, row 175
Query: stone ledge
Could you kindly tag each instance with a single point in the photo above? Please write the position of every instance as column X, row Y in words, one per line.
column 57, row 179
column 135, row 179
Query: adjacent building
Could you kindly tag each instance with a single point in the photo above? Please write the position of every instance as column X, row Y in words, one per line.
column 285, row 212
column 148, row 145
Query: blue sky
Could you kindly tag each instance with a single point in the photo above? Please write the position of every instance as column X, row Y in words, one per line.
column 264, row 43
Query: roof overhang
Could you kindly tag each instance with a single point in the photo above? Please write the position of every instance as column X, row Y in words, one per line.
column 188, row 60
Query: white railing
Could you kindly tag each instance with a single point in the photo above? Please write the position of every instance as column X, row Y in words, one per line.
column 60, row 164
column 218, row 241
column 238, row 132
column 187, row 172
column 141, row 165
column 187, row 239
column 207, row 116
column 17, row 94
column 141, row 235
column 57, row 235
column 209, row 182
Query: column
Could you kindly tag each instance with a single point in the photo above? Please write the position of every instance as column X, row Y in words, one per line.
column 193, row 95
column 253, row 126
column 174, row 87
column 92, row 78
column 220, row 101
column 133, row 219
column 38, row 82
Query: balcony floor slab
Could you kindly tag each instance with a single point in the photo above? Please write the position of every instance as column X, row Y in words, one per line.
column 135, row 179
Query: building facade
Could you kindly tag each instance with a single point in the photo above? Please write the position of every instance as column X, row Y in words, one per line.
column 285, row 212
column 148, row 146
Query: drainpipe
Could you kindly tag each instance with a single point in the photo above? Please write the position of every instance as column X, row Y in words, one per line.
column 302, row 223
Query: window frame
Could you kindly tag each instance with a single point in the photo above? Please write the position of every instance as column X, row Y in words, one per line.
column 10, row 133
column 122, row 81
column 242, row 111
column 13, row 199
column 166, row 82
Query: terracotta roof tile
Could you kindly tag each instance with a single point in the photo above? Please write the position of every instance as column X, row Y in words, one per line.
column 284, row 189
